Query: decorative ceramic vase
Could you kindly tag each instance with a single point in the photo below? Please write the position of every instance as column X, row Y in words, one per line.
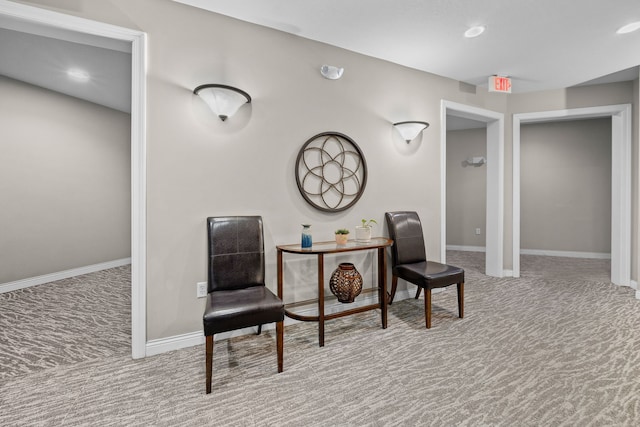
column 363, row 234
column 306, row 241
column 341, row 239
column 346, row 282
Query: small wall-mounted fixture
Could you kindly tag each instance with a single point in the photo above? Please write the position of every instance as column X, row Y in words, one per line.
column 475, row 161
column 410, row 129
column 223, row 100
column 330, row 72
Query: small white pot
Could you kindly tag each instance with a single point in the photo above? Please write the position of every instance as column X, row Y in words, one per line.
column 363, row 234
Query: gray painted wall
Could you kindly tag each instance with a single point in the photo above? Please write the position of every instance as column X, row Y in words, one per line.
column 566, row 186
column 569, row 98
column 64, row 182
column 199, row 166
column 466, row 188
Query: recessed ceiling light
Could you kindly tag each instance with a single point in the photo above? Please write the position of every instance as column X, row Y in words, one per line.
column 629, row 28
column 78, row 75
column 474, row 31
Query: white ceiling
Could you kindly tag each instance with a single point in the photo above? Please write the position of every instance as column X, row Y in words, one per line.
column 540, row 44
column 41, row 55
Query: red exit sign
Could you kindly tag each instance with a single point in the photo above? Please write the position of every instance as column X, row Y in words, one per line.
column 499, row 84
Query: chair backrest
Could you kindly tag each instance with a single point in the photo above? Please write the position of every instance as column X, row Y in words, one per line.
column 236, row 252
column 408, row 241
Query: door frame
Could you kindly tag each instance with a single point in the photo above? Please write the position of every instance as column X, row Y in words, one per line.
column 138, row 144
column 621, row 122
column 494, row 259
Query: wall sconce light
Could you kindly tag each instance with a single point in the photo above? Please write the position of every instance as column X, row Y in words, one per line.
column 410, row 129
column 330, row 72
column 223, row 100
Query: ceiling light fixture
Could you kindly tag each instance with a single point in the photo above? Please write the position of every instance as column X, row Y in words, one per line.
column 78, row 75
column 629, row 28
column 474, row 31
column 410, row 129
column 223, row 100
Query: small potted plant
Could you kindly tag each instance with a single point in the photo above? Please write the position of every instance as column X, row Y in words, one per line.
column 363, row 232
column 342, row 235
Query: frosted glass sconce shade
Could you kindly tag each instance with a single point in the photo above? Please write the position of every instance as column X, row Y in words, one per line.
column 223, row 100
column 409, row 130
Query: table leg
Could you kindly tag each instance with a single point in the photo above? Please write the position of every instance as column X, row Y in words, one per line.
column 280, row 275
column 382, row 285
column 320, row 300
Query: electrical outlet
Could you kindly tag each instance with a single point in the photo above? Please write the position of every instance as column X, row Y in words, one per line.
column 477, row 231
column 201, row 289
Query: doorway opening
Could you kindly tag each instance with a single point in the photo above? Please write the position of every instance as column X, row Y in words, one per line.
column 494, row 226
column 68, row 23
column 620, row 180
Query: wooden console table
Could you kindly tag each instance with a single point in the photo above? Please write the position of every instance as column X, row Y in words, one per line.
column 322, row 248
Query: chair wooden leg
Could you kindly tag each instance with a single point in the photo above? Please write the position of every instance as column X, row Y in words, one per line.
column 280, row 343
column 209, row 361
column 427, row 307
column 418, row 292
column 259, row 329
column 394, row 285
column 461, row 300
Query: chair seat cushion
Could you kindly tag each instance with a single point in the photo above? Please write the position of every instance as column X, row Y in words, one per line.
column 241, row 308
column 429, row 274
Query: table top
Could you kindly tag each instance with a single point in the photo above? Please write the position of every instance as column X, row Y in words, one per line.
column 333, row 247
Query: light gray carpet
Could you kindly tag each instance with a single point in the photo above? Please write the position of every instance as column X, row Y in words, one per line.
column 547, row 349
column 80, row 318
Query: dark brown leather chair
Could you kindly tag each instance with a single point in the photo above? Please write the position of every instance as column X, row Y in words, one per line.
column 237, row 296
column 409, row 259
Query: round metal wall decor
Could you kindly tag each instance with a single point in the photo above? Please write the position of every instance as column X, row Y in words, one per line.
column 331, row 172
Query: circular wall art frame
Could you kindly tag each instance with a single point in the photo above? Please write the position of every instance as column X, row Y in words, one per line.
column 331, row 172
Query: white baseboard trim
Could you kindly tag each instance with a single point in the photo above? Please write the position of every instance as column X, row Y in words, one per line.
column 52, row 277
column 634, row 285
column 176, row 342
column 543, row 252
column 567, row 254
column 466, row 248
column 507, row 273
